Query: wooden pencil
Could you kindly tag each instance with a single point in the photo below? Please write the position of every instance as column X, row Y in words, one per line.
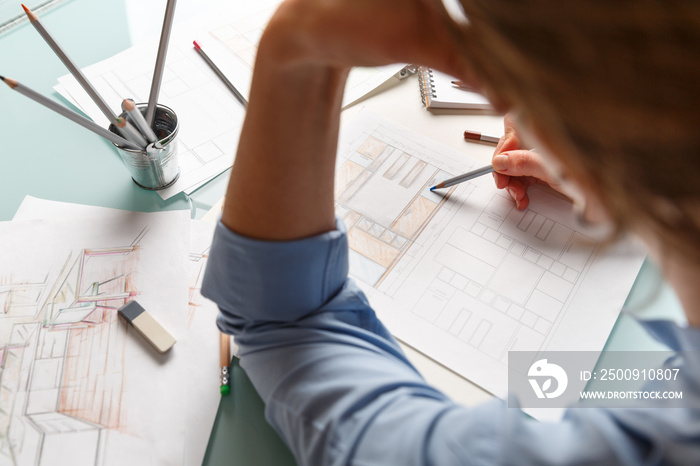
column 74, row 117
column 160, row 62
column 225, row 362
column 79, row 76
column 221, row 74
column 139, row 121
column 130, row 132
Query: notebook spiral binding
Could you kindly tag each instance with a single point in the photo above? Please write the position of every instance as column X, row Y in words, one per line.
column 427, row 85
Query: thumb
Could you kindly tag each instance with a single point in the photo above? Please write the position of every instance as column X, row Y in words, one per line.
column 522, row 163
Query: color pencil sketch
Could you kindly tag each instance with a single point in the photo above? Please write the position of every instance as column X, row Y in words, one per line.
column 62, row 358
column 383, row 196
column 461, row 274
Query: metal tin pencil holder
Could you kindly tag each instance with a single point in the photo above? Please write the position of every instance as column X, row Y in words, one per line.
column 155, row 167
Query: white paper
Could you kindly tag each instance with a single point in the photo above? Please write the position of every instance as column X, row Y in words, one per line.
column 77, row 382
column 197, row 372
column 238, row 29
column 210, row 117
column 465, row 278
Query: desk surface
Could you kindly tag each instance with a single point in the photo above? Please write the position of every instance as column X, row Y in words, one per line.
column 47, row 157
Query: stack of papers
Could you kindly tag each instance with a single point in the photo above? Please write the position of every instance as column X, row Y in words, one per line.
column 210, row 117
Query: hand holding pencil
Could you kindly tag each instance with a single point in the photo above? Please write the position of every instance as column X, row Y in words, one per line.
column 516, row 168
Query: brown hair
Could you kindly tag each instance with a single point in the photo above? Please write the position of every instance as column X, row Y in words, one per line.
column 614, row 89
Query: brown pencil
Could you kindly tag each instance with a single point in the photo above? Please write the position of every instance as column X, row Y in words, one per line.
column 225, row 362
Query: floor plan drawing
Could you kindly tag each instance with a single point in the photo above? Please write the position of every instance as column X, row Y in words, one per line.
column 240, row 39
column 462, row 275
column 379, row 233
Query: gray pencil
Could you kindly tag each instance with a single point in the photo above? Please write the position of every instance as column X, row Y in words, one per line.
column 82, row 121
column 130, row 132
column 79, row 76
column 221, row 74
column 137, row 117
column 160, row 62
column 462, row 178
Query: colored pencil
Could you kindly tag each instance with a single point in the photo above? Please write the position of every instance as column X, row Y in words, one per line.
column 220, row 73
column 137, row 117
column 160, row 62
column 475, row 136
column 79, row 76
column 462, row 178
column 74, row 117
column 225, row 363
column 130, row 132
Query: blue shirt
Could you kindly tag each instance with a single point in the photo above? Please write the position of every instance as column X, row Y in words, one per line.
column 339, row 390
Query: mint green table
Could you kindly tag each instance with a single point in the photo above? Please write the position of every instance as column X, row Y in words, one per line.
column 46, row 156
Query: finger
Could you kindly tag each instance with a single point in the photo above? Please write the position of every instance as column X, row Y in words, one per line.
column 521, row 163
column 517, row 189
column 501, row 180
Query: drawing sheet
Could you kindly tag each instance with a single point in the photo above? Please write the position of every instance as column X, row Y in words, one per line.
column 210, row 117
column 462, row 275
column 238, row 31
column 198, row 342
column 77, row 383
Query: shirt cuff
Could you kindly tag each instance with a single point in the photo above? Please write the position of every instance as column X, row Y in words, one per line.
column 274, row 281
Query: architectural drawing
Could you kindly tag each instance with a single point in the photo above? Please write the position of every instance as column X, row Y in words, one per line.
column 62, row 358
column 240, row 39
column 462, row 275
column 383, row 195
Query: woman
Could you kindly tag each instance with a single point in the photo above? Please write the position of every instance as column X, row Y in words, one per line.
column 607, row 93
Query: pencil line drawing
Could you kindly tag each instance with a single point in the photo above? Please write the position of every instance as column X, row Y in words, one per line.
column 198, row 263
column 62, row 357
column 382, row 194
column 463, row 272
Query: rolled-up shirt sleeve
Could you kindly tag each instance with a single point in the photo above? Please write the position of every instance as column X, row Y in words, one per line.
column 339, row 390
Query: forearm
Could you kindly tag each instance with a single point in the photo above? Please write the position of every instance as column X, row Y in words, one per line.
column 281, row 184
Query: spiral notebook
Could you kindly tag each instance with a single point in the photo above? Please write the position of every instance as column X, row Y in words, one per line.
column 437, row 91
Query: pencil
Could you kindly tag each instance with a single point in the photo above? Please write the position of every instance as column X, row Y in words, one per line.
column 462, row 178
column 160, row 61
column 220, row 73
column 79, row 76
column 475, row 136
column 82, row 121
column 137, row 117
column 225, row 363
column 462, row 85
column 130, row 132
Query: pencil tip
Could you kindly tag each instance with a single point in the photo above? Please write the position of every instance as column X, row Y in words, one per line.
column 433, row 188
column 2, row 77
column 196, row 45
column 30, row 14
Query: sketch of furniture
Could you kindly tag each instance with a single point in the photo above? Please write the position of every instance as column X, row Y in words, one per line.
column 61, row 359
